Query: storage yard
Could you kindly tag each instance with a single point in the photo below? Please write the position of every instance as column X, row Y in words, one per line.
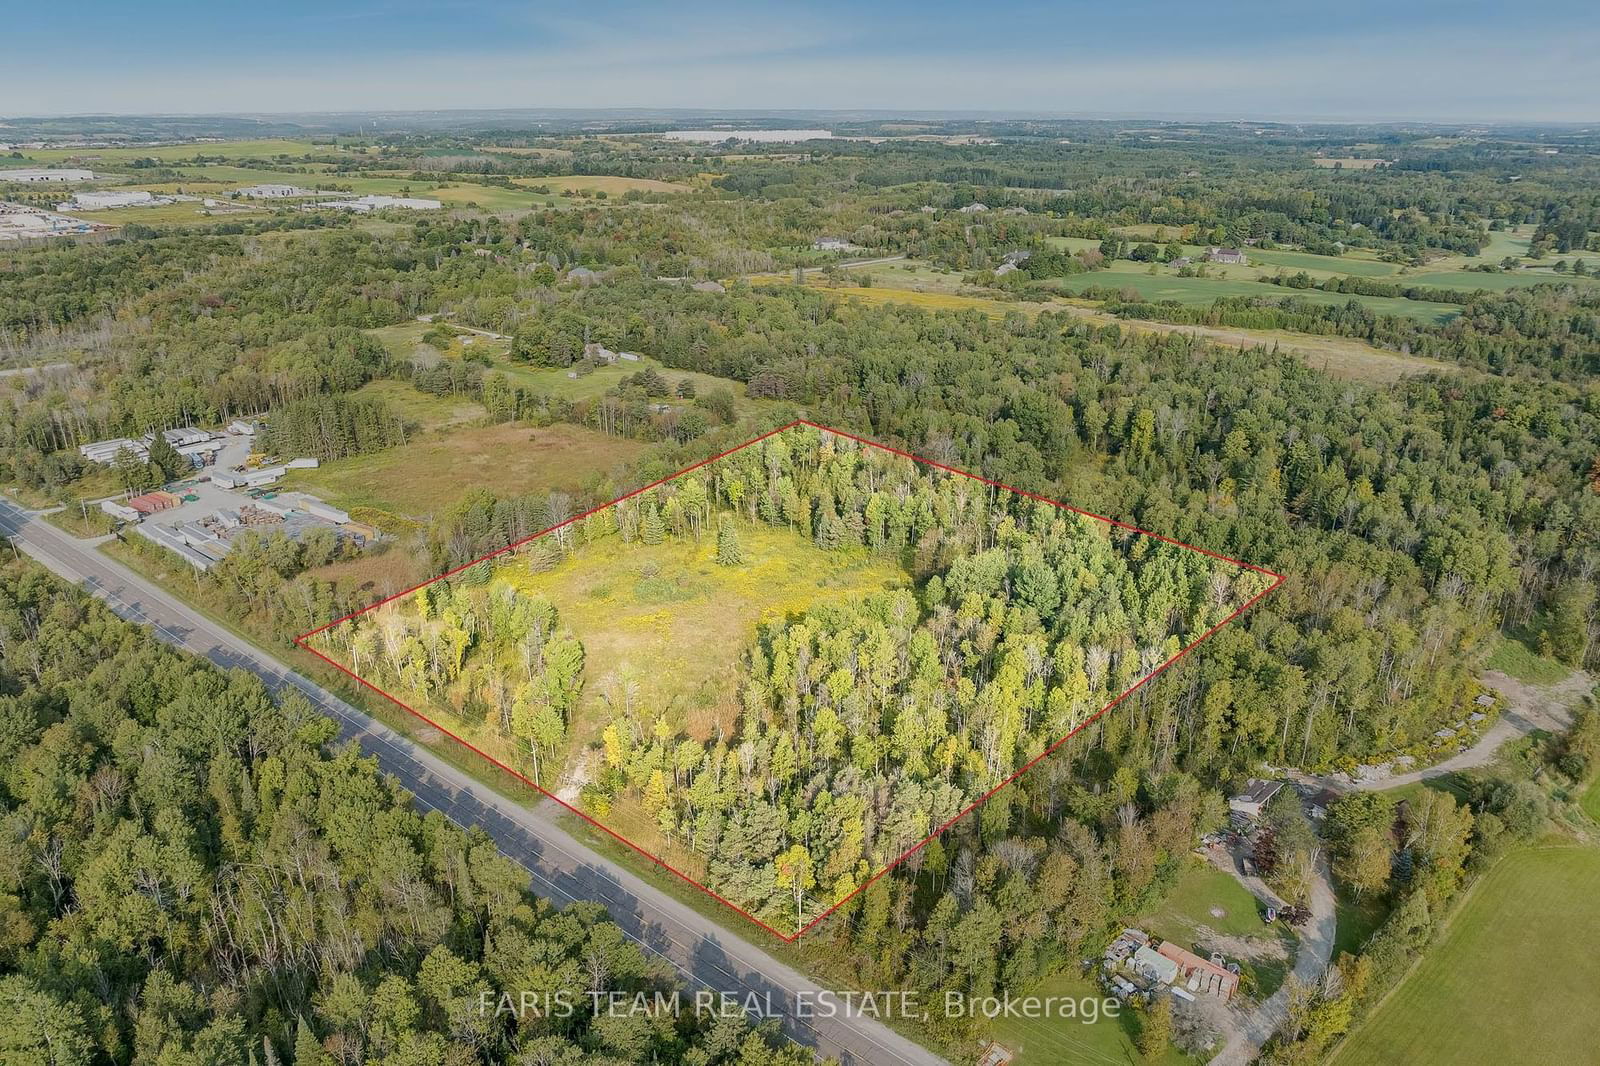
column 199, row 519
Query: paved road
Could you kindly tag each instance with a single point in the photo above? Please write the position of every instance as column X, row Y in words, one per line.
column 706, row 956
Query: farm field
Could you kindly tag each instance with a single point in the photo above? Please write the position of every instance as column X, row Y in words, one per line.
column 261, row 149
column 1508, row 982
column 1203, row 291
column 1445, row 273
column 422, row 478
column 611, row 185
column 1341, row 356
column 1052, row 1041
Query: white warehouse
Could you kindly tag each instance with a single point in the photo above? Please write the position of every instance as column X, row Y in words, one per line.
column 34, row 176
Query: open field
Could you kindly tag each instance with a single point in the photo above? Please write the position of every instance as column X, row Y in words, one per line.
column 403, row 339
column 1052, row 1041
column 1482, row 280
column 1201, row 292
column 421, row 410
column 261, row 149
column 1346, row 162
column 1343, row 357
column 1512, row 979
column 611, row 185
column 422, row 478
column 670, row 617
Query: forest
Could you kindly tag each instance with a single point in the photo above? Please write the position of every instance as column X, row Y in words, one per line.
column 195, row 873
column 856, row 728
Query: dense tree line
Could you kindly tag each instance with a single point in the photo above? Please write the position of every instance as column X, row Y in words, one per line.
column 189, row 876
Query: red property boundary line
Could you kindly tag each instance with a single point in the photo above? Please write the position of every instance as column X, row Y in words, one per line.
column 1277, row 580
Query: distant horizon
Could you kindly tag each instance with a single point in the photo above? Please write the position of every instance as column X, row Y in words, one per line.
column 666, row 115
column 1367, row 61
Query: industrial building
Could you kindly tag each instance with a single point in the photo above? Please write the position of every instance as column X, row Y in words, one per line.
column 38, row 175
column 109, row 198
column 198, row 445
column 363, row 204
column 270, row 191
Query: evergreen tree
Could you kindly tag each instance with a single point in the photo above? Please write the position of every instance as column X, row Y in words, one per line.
column 728, row 550
column 653, row 531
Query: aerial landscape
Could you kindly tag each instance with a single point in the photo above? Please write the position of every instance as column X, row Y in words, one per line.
column 740, row 538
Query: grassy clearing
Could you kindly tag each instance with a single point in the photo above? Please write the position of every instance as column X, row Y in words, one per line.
column 670, row 616
column 1042, row 1041
column 422, row 478
column 1188, row 909
column 1512, row 980
column 1201, row 292
column 611, row 185
column 422, row 410
column 1513, row 657
column 1345, row 162
column 1209, row 910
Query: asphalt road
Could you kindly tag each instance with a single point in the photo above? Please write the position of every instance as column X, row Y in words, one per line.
column 708, row 958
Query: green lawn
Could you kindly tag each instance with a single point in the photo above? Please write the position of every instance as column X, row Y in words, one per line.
column 1591, row 800
column 1202, row 889
column 1513, row 979
column 1056, row 1040
column 1513, row 657
column 1188, row 917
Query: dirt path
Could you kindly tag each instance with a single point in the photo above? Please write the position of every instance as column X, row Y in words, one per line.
column 1528, row 708
column 1244, row 1038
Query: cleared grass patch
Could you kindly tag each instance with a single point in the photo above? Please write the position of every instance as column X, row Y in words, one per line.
column 668, row 613
column 422, row 478
column 1511, row 981
column 1511, row 656
column 1202, row 292
column 610, row 184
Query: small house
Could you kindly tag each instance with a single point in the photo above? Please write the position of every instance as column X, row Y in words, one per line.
column 1254, row 799
column 1227, row 256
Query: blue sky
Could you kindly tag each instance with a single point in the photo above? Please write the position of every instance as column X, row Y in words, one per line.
column 1350, row 59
